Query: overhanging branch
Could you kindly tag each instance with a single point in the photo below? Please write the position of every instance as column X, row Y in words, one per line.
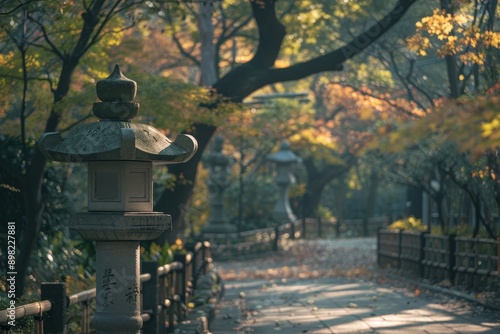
column 333, row 61
column 257, row 72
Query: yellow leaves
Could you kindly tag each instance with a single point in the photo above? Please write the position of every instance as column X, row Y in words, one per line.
column 7, row 58
column 319, row 142
column 10, row 187
column 315, row 138
column 384, row 129
column 456, row 34
column 410, row 223
column 368, row 72
column 366, row 114
column 353, row 181
column 280, row 63
column 418, row 44
column 439, row 24
column 489, row 127
column 492, row 38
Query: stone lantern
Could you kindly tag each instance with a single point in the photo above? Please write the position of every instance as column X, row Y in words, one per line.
column 284, row 160
column 218, row 164
column 120, row 156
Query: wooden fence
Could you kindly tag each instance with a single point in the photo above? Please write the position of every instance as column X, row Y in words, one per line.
column 473, row 262
column 344, row 228
column 167, row 296
column 230, row 245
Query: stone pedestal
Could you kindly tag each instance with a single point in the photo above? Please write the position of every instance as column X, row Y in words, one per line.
column 118, row 307
column 117, row 235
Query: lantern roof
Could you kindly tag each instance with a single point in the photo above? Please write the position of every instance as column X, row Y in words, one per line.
column 115, row 136
column 284, row 155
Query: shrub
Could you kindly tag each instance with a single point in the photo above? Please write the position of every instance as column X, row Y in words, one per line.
column 410, row 224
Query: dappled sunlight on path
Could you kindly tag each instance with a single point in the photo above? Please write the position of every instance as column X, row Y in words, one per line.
column 307, row 259
column 344, row 305
column 333, row 286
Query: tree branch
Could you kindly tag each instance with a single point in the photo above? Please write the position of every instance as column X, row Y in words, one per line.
column 271, row 34
column 332, row 61
column 21, row 4
column 182, row 50
column 52, row 47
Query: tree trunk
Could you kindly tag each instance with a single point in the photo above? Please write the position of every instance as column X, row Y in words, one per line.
column 340, row 195
column 33, row 180
column 175, row 202
column 492, row 72
column 317, row 179
column 206, row 28
column 451, row 62
column 414, row 205
column 33, row 208
column 311, row 199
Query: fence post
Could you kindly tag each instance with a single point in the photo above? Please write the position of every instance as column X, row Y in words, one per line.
column 54, row 321
column 378, row 245
column 85, row 321
column 150, row 297
column 171, row 303
column 195, row 262
column 365, row 226
column 207, row 257
column 451, row 258
column 276, row 237
column 421, row 255
column 400, row 247
column 181, row 284
column 178, row 294
column 303, row 228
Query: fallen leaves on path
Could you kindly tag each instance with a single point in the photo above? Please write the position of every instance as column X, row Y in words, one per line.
column 306, row 259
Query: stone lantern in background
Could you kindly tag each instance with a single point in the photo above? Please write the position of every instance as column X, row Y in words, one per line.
column 284, row 160
column 120, row 156
column 219, row 173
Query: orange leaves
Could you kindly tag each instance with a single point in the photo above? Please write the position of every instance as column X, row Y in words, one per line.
column 453, row 34
column 419, row 44
column 318, row 138
column 471, row 124
column 365, row 115
column 484, row 172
